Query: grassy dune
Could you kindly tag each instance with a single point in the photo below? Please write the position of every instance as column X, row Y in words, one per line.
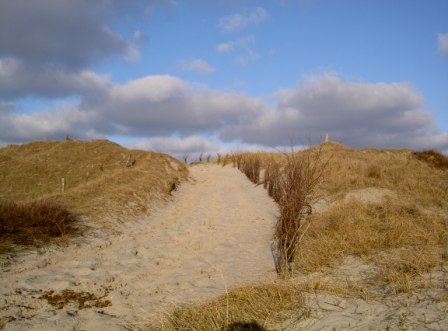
column 103, row 182
column 400, row 230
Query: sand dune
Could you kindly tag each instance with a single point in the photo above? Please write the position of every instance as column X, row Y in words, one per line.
column 214, row 235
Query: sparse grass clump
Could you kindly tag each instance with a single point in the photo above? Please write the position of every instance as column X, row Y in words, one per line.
column 40, row 221
column 258, row 306
column 405, row 269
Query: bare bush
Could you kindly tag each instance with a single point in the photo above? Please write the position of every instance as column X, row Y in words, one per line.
column 297, row 191
column 293, row 186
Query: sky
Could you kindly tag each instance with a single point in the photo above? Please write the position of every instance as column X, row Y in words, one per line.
column 202, row 76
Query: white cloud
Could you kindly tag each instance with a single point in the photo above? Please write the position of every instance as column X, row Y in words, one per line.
column 239, row 21
column 355, row 113
column 37, row 32
column 149, row 106
column 196, row 65
column 62, row 121
column 248, row 56
column 443, row 43
column 224, row 47
column 18, row 80
column 150, row 88
column 245, row 48
column 191, row 147
column 156, row 108
column 243, row 43
column 156, row 105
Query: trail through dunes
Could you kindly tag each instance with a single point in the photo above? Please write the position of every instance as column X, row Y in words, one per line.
column 214, row 235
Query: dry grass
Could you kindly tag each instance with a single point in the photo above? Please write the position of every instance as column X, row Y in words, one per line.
column 358, row 229
column 433, row 158
column 296, row 183
column 258, row 306
column 250, row 165
column 405, row 269
column 35, row 222
column 397, row 170
column 270, row 180
column 403, row 238
column 415, row 219
column 292, row 185
column 104, row 182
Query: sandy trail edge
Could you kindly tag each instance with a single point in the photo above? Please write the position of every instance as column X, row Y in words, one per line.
column 215, row 234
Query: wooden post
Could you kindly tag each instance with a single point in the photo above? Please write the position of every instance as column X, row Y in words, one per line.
column 63, row 185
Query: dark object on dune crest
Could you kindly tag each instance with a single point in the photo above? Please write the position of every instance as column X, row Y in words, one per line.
column 433, row 158
column 240, row 326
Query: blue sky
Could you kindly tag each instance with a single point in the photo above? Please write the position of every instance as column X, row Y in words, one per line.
column 193, row 76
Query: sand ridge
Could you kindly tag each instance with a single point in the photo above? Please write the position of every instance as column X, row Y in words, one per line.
column 215, row 235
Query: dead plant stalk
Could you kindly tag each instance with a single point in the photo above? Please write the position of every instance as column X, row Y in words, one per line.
column 297, row 192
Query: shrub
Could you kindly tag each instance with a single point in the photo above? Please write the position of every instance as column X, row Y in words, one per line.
column 433, row 158
column 296, row 183
column 293, row 188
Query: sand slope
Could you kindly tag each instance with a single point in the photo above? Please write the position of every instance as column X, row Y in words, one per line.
column 215, row 234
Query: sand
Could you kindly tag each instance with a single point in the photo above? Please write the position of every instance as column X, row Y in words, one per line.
column 421, row 309
column 213, row 236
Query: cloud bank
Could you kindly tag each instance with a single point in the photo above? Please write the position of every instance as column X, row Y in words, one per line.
column 174, row 115
column 70, row 34
column 355, row 113
column 56, row 43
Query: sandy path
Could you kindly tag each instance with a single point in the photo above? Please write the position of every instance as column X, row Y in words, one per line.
column 215, row 234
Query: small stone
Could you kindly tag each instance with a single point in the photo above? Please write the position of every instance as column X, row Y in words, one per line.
column 72, row 312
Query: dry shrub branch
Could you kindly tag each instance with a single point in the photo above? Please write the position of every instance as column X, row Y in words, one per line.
column 293, row 186
column 295, row 189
